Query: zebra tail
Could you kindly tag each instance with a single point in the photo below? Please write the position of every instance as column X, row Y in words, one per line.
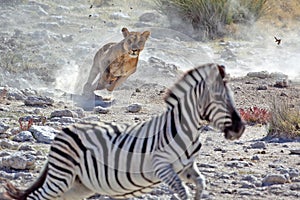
column 13, row 193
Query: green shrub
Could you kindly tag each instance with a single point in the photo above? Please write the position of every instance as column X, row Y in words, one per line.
column 284, row 120
column 210, row 17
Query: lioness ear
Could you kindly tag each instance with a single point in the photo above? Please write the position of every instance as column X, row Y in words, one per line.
column 125, row 32
column 146, row 34
column 222, row 71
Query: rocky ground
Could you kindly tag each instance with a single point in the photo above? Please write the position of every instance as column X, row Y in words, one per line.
column 42, row 52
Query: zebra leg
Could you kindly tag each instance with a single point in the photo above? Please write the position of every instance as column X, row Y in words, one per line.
column 170, row 177
column 194, row 176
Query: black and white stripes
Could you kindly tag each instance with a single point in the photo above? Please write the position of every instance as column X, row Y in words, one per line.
column 124, row 161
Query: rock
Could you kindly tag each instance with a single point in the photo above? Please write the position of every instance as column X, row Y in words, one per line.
column 249, row 178
column 67, row 38
column 262, row 87
column 3, row 127
column 43, row 134
column 255, row 158
column 247, row 185
column 91, row 118
column 66, row 120
column 237, row 164
column 282, row 83
column 134, row 108
column 80, row 112
column 26, row 147
column 23, row 136
column 205, row 165
column 295, row 151
column 262, row 74
column 8, row 144
column 272, row 179
column 14, row 93
column 100, row 110
column 63, row 113
column 29, row 92
column 228, row 54
column 295, row 186
column 38, row 101
column 148, row 17
column 18, row 160
column 293, row 173
column 17, row 175
column 282, row 94
column 49, row 25
column 118, row 16
column 258, row 145
column 278, row 75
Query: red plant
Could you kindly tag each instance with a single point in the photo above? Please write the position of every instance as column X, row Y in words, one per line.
column 255, row 115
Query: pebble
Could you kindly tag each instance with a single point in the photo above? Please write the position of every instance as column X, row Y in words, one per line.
column 148, row 17
column 262, row 87
column 3, row 127
column 295, row 186
column 26, row 147
column 237, row 164
column 262, row 74
column 100, row 110
column 255, row 158
column 18, row 160
column 258, row 145
column 8, row 144
column 23, row 136
column 295, row 151
column 292, row 172
column 272, row 179
column 63, row 113
column 38, row 101
column 249, row 178
column 245, row 184
column 67, row 120
column 43, row 134
column 14, row 93
column 281, row 83
column 134, row 108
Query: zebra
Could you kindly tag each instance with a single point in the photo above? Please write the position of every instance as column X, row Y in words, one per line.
column 129, row 160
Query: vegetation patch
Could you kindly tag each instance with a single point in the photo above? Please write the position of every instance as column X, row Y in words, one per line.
column 211, row 18
column 284, row 121
column 255, row 115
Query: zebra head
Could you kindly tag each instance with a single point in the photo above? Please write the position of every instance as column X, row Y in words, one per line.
column 219, row 107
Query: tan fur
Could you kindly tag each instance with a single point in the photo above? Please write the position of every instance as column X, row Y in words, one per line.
column 115, row 62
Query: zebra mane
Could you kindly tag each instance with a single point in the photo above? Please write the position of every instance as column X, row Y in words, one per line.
column 202, row 71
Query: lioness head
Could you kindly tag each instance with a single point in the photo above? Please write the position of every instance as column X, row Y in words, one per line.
column 134, row 42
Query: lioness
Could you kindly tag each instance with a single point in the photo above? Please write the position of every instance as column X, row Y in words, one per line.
column 115, row 62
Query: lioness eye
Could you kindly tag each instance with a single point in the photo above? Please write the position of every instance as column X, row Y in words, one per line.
column 140, row 43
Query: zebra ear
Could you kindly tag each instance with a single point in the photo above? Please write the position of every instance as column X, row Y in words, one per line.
column 222, row 71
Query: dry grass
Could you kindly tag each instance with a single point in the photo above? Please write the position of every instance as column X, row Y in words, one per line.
column 211, row 17
column 284, row 121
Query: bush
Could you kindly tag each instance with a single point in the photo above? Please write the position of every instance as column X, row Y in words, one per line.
column 255, row 115
column 284, row 121
column 211, row 17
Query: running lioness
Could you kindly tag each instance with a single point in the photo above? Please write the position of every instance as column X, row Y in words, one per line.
column 115, row 62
